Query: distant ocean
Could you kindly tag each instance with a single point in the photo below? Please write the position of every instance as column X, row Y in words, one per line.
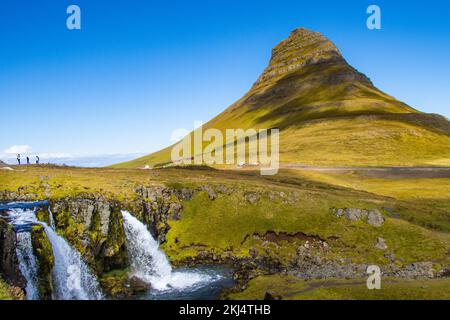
column 80, row 161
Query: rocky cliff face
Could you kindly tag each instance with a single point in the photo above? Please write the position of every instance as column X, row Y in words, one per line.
column 93, row 224
column 301, row 49
column 9, row 263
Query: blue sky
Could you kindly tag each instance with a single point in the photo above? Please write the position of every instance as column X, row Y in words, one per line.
column 138, row 70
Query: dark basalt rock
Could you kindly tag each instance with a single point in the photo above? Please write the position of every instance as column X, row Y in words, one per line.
column 271, row 295
column 136, row 284
column 9, row 262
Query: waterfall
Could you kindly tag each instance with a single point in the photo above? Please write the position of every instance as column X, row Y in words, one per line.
column 27, row 264
column 150, row 264
column 72, row 278
column 51, row 221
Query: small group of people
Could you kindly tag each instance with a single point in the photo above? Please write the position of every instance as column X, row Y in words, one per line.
column 28, row 159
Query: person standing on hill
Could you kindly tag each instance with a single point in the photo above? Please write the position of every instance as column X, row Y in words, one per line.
column 18, row 159
column 37, row 159
column 28, row 160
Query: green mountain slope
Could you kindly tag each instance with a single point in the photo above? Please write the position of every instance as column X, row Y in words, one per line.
column 328, row 113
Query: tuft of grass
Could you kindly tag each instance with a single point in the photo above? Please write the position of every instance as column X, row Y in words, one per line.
column 5, row 293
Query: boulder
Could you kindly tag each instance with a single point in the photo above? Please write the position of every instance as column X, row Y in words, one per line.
column 355, row 214
column 375, row 218
column 136, row 284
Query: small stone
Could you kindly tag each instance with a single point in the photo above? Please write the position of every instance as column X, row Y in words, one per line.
column 223, row 189
column 211, row 193
column 339, row 212
column 391, row 256
column 251, row 197
column 253, row 253
column 381, row 244
column 271, row 295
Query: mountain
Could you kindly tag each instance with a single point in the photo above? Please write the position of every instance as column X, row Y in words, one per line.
column 328, row 113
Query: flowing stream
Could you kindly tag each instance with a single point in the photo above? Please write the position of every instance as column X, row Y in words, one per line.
column 72, row 279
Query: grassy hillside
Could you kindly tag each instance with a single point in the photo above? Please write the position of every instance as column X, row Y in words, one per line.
column 230, row 224
column 329, row 114
column 292, row 288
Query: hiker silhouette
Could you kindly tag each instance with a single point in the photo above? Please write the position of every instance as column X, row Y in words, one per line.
column 18, row 159
column 28, row 160
column 37, row 159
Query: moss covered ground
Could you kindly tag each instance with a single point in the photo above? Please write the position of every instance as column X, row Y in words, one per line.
column 292, row 288
column 5, row 293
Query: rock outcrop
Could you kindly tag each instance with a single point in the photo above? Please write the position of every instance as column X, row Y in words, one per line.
column 301, row 49
column 93, row 224
column 43, row 252
column 9, row 262
column 372, row 217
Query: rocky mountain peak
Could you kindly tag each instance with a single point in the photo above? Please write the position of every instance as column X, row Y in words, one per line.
column 302, row 48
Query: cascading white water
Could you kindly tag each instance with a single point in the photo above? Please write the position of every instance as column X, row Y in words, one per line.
column 51, row 221
column 27, row 264
column 150, row 264
column 72, row 278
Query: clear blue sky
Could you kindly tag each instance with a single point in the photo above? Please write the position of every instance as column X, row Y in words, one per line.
column 137, row 70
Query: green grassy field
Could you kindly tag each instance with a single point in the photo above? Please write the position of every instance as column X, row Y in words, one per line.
column 293, row 288
column 422, row 200
column 286, row 203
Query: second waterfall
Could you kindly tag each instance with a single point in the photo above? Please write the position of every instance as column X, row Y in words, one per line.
column 150, row 264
